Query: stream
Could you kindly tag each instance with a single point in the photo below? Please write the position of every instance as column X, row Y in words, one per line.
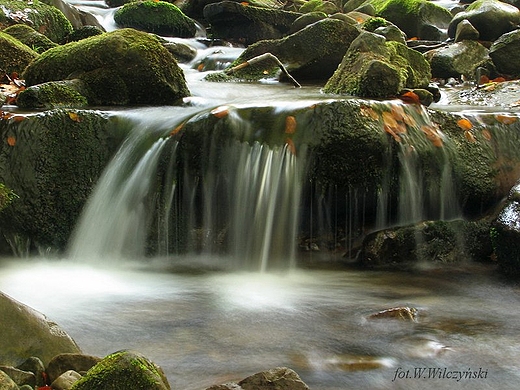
column 205, row 322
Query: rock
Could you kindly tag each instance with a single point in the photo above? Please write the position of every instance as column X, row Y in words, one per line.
column 20, row 377
column 124, row 370
column 431, row 241
column 385, row 28
column 399, row 313
column 505, row 234
column 27, row 333
column 157, row 17
column 491, row 18
column 181, row 51
column 66, row 380
column 326, row 7
column 280, row 378
column 46, row 19
column 7, row 383
column 505, row 53
column 57, row 158
column 414, row 17
column 153, row 78
column 306, row 19
column 466, row 31
column 64, row 362
column 84, row 32
column 247, row 23
column 54, row 94
column 311, row 53
column 30, row 37
column 77, row 17
column 14, row 55
column 456, row 59
column 378, row 69
column 34, row 365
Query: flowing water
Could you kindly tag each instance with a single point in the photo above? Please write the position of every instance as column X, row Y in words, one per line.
column 207, row 319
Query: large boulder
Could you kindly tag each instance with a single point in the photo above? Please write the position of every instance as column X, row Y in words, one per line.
column 505, row 53
column 46, row 19
column 505, row 234
column 246, row 23
column 132, row 65
column 373, row 67
column 311, row 53
column 157, row 17
column 417, row 18
column 491, row 18
column 30, row 37
column 441, row 242
column 123, row 370
column 14, row 55
column 51, row 161
column 26, row 333
column 456, row 59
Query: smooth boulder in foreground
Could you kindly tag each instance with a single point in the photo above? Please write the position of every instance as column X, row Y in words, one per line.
column 129, row 64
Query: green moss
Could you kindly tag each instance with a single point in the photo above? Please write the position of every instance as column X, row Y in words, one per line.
column 157, row 17
column 84, row 32
column 6, row 196
column 47, row 19
column 371, row 24
column 51, row 95
column 150, row 73
column 14, row 55
column 30, row 37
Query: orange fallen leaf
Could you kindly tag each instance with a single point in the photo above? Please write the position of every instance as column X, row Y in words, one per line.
column 369, row 113
column 290, row 124
column 200, row 67
column 410, row 97
column 505, row 119
column 469, row 136
column 290, row 146
column 17, row 118
column 486, row 134
column 244, row 3
column 74, row 116
column 392, row 133
column 464, row 124
column 220, row 112
column 11, row 141
column 483, row 79
column 499, row 80
column 177, row 129
column 388, row 119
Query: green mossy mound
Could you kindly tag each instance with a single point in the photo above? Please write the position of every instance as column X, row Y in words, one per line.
column 30, row 37
column 54, row 94
column 312, row 53
column 414, row 17
column 46, row 19
column 14, row 55
column 52, row 161
column 131, row 64
column 157, row 17
column 375, row 68
column 123, row 370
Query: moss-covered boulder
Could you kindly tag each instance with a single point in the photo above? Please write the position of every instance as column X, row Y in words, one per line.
column 414, row 17
column 123, row 370
column 30, row 37
column 27, row 332
column 51, row 161
column 54, row 94
column 157, row 17
column 14, row 55
column 491, row 18
column 246, row 23
column 443, row 242
column 456, row 59
column 505, row 234
column 128, row 64
column 312, row 53
column 373, row 67
column 505, row 53
column 46, row 19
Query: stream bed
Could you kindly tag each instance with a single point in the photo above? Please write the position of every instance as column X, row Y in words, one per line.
column 204, row 325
